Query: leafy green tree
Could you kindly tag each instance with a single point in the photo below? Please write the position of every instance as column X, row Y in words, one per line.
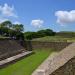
column 18, row 27
column 46, row 32
column 4, row 28
column 7, row 24
column 11, row 30
column 28, row 35
column 38, row 34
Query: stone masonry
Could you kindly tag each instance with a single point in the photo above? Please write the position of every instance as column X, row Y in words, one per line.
column 63, row 63
column 67, row 69
column 57, row 46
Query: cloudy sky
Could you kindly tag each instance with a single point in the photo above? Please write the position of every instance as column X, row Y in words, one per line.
column 58, row 15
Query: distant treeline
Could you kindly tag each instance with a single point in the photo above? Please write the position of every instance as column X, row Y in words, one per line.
column 38, row 34
column 8, row 29
column 48, row 32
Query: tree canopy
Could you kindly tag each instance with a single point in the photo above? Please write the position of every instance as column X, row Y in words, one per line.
column 7, row 28
column 38, row 34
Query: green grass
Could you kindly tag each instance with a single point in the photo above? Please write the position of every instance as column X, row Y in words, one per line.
column 27, row 65
column 55, row 39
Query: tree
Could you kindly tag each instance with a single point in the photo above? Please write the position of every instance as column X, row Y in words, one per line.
column 18, row 27
column 7, row 24
column 4, row 28
column 38, row 34
column 28, row 35
column 11, row 30
column 46, row 32
column 49, row 32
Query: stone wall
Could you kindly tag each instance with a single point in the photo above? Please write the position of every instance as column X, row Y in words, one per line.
column 47, row 45
column 9, row 47
column 67, row 69
column 62, row 63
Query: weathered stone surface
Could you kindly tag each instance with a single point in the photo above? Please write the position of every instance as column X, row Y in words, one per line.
column 9, row 60
column 10, row 48
column 46, row 45
column 67, row 69
column 63, row 63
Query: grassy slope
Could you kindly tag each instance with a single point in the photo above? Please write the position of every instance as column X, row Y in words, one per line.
column 27, row 65
column 55, row 38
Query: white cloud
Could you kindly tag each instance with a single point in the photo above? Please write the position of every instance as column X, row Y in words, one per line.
column 16, row 22
column 65, row 17
column 7, row 10
column 37, row 23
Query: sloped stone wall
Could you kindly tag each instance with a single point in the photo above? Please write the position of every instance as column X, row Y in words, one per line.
column 9, row 47
column 67, row 69
column 47, row 45
column 63, row 63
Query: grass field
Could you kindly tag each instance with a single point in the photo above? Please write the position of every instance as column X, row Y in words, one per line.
column 55, row 39
column 27, row 65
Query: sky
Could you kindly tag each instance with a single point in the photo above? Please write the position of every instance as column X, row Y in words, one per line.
column 58, row 15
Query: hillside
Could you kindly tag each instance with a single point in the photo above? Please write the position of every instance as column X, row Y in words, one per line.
column 55, row 39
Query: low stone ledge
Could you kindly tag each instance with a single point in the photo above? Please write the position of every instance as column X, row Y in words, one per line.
column 5, row 61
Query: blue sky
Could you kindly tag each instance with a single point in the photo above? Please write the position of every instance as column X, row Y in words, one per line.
column 58, row 15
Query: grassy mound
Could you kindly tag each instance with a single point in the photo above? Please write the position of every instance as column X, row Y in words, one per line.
column 55, row 39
